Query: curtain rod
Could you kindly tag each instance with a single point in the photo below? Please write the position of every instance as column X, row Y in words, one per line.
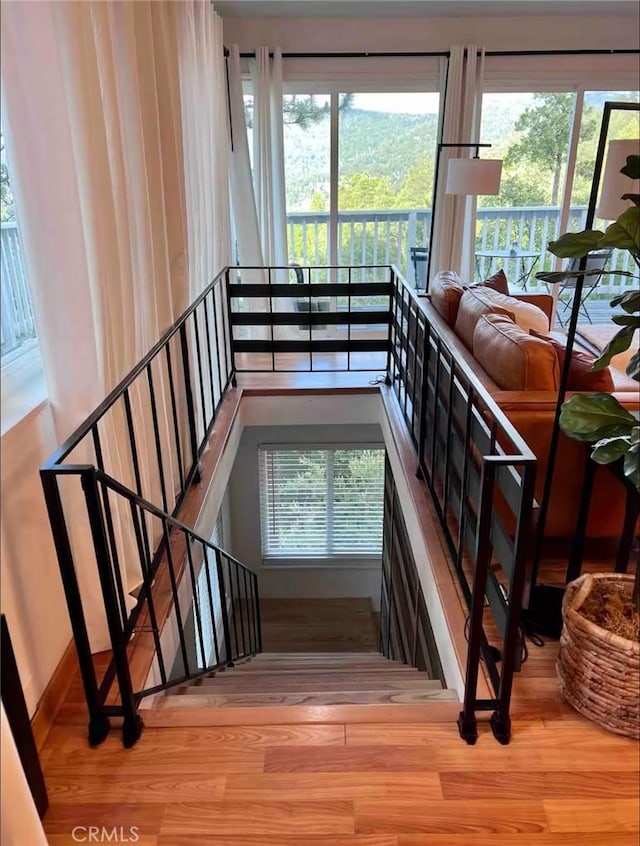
column 446, row 53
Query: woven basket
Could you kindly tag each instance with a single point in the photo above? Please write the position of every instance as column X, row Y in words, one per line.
column 599, row 671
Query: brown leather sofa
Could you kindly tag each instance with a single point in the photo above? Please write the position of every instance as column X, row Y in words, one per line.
column 522, row 374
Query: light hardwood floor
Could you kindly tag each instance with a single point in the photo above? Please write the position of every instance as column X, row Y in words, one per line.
column 561, row 781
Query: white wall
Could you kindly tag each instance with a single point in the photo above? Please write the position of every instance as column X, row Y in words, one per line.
column 32, row 596
column 574, row 32
column 349, row 578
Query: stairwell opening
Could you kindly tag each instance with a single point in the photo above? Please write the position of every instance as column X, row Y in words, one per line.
column 350, row 626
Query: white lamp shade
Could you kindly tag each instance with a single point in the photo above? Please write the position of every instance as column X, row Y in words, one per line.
column 615, row 184
column 474, row 176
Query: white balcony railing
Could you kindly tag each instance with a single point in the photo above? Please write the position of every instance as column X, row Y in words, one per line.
column 364, row 238
column 16, row 317
column 385, row 237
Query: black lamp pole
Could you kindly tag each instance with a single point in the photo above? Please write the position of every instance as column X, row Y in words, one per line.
column 544, row 605
column 442, row 146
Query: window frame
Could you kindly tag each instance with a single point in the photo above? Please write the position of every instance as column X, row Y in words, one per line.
column 295, row 560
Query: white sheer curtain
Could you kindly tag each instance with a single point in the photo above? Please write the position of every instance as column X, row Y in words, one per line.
column 268, row 154
column 243, row 200
column 203, row 97
column 461, row 93
column 99, row 99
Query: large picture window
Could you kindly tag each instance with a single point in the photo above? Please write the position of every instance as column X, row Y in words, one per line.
column 321, row 503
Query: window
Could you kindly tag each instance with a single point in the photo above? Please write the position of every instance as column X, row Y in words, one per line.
column 23, row 386
column 321, row 503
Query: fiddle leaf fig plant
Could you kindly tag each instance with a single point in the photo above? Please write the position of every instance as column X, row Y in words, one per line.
column 599, row 418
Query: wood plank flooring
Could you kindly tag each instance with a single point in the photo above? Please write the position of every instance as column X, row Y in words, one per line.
column 561, row 781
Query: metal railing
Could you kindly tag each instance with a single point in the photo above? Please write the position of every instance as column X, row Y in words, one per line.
column 481, row 476
column 309, row 318
column 405, row 629
column 16, row 317
column 142, row 446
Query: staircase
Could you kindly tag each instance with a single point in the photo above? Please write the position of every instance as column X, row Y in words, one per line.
column 308, row 679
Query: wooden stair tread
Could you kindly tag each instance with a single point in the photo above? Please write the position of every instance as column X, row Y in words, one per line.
column 336, row 657
column 321, row 684
column 294, row 670
column 342, row 697
column 433, row 711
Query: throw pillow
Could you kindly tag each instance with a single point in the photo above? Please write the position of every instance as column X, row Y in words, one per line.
column 514, row 359
column 581, row 376
column 526, row 315
column 472, row 306
column 497, row 282
column 445, row 291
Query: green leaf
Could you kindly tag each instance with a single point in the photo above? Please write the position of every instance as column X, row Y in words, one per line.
column 626, row 320
column 630, row 301
column 624, row 233
column 620, row 342
column 632, row 167
column 631, row 465
column 576, row 244
column 633, row 367
column 591, row 417
column 608, row 450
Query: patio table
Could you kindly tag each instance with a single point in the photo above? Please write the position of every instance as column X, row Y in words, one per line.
column 523, row 261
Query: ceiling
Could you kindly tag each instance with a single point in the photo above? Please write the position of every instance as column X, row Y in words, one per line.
column 421, row 8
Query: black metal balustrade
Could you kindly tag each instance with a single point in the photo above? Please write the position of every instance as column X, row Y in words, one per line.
column 481, row 476
column 193, row 600
column 327, row 311
column 405, row 629
column 163, row 411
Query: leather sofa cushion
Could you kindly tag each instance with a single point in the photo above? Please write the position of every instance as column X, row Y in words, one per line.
column 473, row 305
column 514, row 359
column 581, row 376
column 525, row 314
column 445, row 292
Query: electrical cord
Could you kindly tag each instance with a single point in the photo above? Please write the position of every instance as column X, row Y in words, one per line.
column 495, row 652
column 380, row 379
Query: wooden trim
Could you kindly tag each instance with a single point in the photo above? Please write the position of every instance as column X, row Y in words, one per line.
column 432, row 712
column 54, row 695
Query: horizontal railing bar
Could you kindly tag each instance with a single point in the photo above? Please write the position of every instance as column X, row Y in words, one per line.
column 262, row 346
column 293, row 267
column 294, row 289
column 313, row 318
column 74, row 439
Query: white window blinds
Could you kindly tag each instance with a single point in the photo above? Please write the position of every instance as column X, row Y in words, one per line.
column 317, row 503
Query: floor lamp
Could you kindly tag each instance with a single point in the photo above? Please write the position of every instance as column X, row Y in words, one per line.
column 544, row 614
column 470, row 177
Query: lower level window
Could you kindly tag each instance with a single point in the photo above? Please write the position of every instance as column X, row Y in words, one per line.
column 321, row 503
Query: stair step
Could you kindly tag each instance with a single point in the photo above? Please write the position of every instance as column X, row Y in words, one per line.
column 317, row 666
column 171, row 716
column 343, row 697
column 317, row 669
column 300, row 684
column 338, row 656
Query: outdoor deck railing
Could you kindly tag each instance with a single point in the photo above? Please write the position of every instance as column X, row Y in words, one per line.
column 386, row 237
column 365, row 238
column 16, row 318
